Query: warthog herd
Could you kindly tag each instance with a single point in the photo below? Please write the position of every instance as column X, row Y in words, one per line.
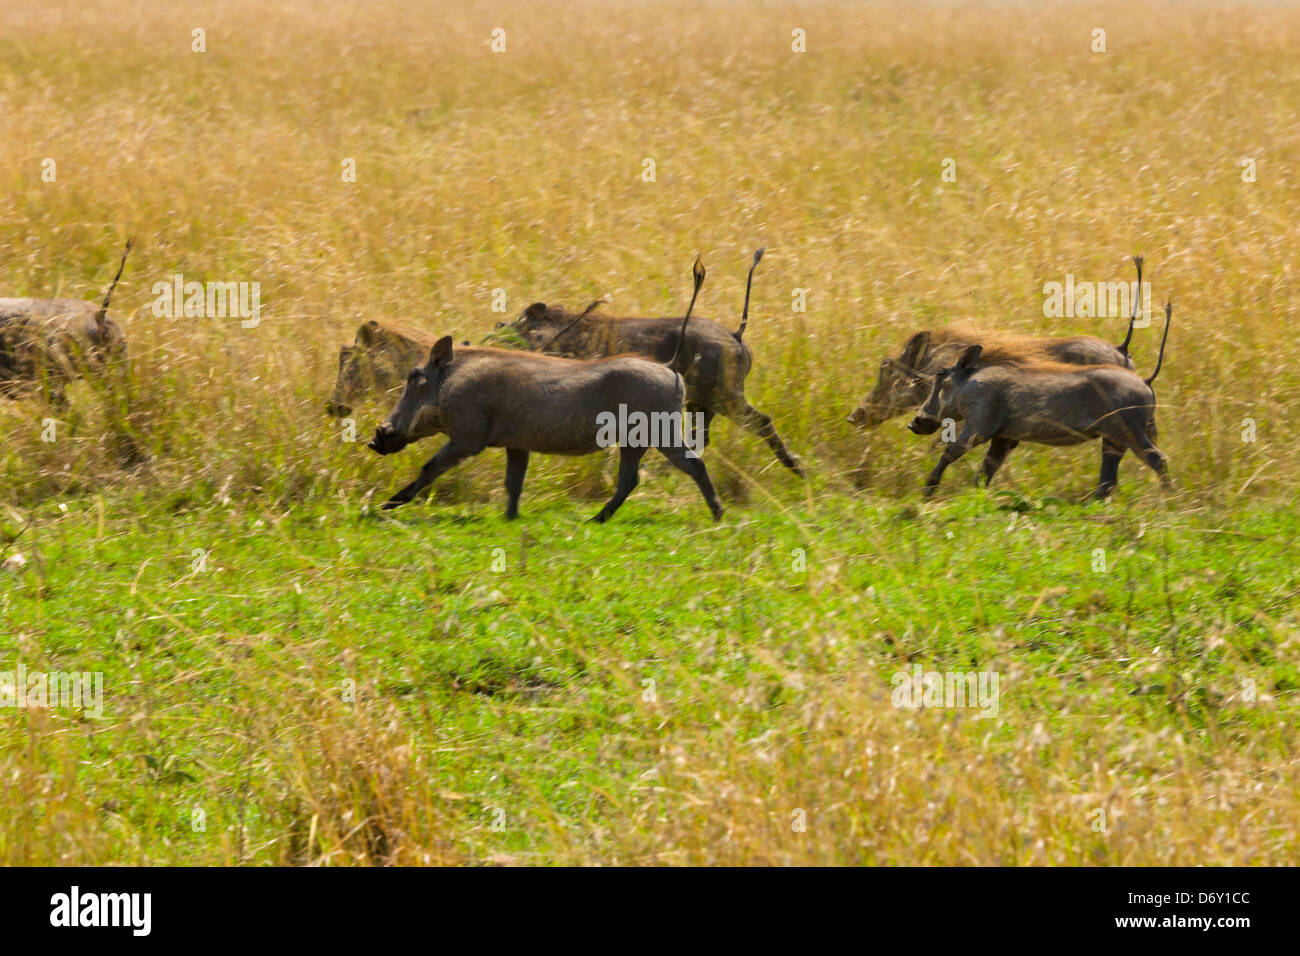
column 559, row 394
column 1002, row 389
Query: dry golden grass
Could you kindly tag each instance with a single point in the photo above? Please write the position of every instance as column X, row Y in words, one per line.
column 521, row 171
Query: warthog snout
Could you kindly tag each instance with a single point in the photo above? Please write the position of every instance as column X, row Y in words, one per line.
column 386, row 440
column 869, row 414
column 337, row 410
column 923, row 425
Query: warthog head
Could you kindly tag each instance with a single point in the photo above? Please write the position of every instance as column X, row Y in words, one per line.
column 351, row 382
column 540, row 327
column 936, row 408
column 377, row 361
column 417, row 414
column 900, row 386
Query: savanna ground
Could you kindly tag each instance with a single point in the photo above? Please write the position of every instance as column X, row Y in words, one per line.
column 326, row 685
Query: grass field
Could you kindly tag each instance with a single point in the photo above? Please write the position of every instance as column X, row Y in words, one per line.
column 290, row 677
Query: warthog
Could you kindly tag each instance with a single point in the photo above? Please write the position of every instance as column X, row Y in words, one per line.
column 905, row 381
column 377, row 361
column 524, row 402
column 714, row 362
column 1049, row 403
column 50, row 342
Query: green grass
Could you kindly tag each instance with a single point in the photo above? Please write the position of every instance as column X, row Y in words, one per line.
column 515, row 678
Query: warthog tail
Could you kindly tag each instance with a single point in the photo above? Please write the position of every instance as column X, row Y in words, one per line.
column 103, row 309
column 1169, row 309
column 1123, row 346
column 697, row 271
column 744, row 314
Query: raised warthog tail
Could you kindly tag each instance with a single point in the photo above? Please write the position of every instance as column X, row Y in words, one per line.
column 1123, row 346
column 744, row 314
column 1169, row 310
column 697, row 271
column 103, row 309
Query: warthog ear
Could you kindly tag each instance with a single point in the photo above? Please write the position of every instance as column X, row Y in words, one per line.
column 915, row 349
column 366, row 334
column 535, row 311
column 969, row 359
column 440, row 354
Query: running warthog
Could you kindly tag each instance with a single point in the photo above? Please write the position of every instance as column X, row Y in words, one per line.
column 1049, row 403
column 713, row 361
column 47, row 343
column 377, row 361
column 905, row 381
column 523, row 402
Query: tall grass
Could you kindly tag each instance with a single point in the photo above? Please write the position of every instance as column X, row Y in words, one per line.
column 521, row 171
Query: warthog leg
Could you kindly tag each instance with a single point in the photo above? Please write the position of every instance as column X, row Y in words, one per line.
column 629, row 474
column 860, row 476
column 1146, row 449
column 755, row 421
column 516, row 468
column 695, row 468
column 999, row 448
column 965, row 441
column 1111, row 454
column 446, row 458
column 692, row 410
